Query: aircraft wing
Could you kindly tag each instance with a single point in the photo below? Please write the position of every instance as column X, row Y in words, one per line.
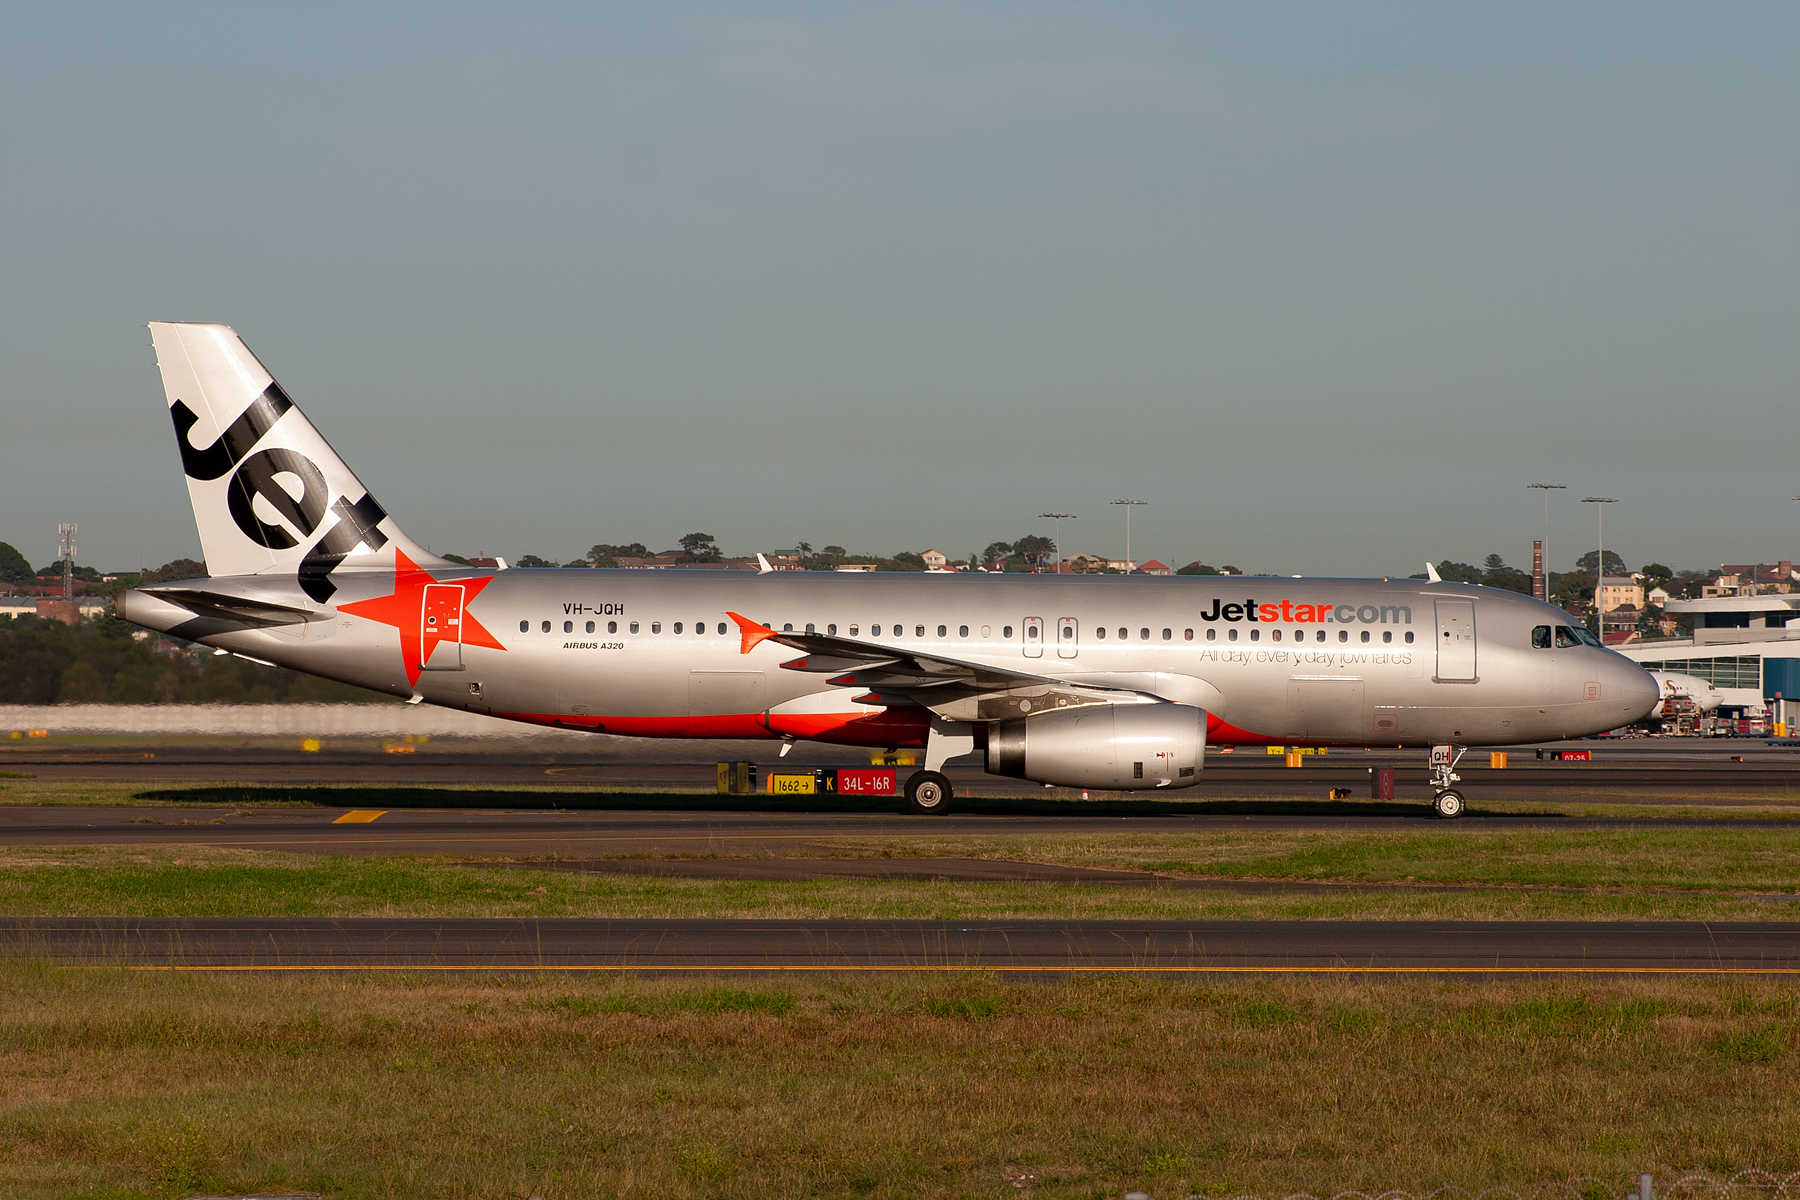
column 953, row 688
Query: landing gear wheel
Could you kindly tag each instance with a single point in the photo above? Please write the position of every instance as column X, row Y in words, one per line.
column 1448, row 805
column 928, row 793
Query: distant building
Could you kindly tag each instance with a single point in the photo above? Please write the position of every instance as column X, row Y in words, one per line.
column 934, row 559
column 1658, row 596
column 1152, row 567
column 1620, row 591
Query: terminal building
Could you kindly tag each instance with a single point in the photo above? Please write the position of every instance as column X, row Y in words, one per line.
column 1746, row 646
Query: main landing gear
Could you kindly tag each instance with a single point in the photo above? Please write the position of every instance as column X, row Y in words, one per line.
column 928, row 793
column 1446, row 803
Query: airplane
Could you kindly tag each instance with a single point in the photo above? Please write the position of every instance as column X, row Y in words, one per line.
column 1099, row 682
column 1673, row 684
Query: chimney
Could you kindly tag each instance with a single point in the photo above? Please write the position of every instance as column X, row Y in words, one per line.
column 1537, row 570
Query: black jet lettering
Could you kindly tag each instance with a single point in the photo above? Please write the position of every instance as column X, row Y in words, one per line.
column 237, row 440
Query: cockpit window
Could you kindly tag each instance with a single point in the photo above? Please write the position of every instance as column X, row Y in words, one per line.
column 1540, row 637
column 1565, row 637
column 1582, row 632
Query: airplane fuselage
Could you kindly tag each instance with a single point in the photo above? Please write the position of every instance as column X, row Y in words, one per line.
column 656, row 653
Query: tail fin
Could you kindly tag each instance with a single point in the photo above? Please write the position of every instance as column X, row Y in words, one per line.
column 269, row 495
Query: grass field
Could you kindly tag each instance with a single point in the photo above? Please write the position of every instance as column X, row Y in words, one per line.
column 123, row 1085
column 214, row 881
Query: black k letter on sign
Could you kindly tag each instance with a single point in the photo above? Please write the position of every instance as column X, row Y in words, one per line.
column 235, row 442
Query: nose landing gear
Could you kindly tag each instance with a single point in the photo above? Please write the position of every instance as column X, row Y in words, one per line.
column 1447, row 803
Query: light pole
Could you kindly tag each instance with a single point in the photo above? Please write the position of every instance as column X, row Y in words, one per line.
column 1130, row 562
column 1058, row 518
column 1547, row 488
column 1599, row 555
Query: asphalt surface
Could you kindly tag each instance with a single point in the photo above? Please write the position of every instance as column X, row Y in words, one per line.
column 1021, row 946
column 1693, row 770
column 596, row 834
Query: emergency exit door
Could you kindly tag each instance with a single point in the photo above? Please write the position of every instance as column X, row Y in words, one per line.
column 1068, row 637
column 1456, row 641
column 440, row 627
column 1034, row 637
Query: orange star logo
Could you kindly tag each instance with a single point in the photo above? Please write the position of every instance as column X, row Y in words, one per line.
column 421, row 632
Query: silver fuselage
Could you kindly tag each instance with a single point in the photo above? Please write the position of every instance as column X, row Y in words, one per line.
column 655, row 653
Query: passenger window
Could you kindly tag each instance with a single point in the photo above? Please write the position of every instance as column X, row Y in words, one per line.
column 1100, row 632
column 962, row 631
column 1168, row 635
column 1565, row 637
column 1365, row 635
column 831, row 631
column 1006, row 632
column 700, row 628
column 874, row 630
column 1275, row 635
column 721, row 627
column 1408, row 636
column 1187, row 635
column 590, row 627
column 1143, row 635
column 1231, row 635
column 1343, row 635
column 612, row 627
column 568, row 627
column 634, row 626
column 656, row 627
column 1212, row 635
column 943, row 631
column 1256, row 635
column 787, row 628
column 809, row 627
column 1540, row 637
column 546, row 627
column 524, row 626
column 1299, row 635
column 921, row 631
column 1320, row 636
column 1387, row 635
column 678, row 627
column 1123, row 634
column 853, row 629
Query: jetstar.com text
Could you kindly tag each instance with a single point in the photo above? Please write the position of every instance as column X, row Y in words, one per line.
column 1288, row 611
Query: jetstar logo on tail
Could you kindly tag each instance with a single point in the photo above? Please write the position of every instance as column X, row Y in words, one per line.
column 405, row 611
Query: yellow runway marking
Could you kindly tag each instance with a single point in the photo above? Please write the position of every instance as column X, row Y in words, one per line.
column 1071, row 970
column 360, row 816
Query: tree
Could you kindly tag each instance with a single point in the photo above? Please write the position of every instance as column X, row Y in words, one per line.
column 699, row 547
column 532, row 560
column 1455, row 572
column 181, row 568
column 834, row 552
column 455, row 558
column 1035, row 549
column 1497, row 574
column 911, row 559
column 13, row 566
column 1197, row 568
column 1614, row 564
column 606, row 555
column 1655, row 573
column 801, row 550
column 997, row 552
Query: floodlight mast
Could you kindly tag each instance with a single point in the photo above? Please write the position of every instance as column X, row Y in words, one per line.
column 1130, row 562
column 1059, row 518
column 1544, row 581
column 1599, row 503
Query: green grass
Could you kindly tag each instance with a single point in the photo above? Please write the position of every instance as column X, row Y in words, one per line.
column 135, row 1086
column 1708, row 859
column 196, row 881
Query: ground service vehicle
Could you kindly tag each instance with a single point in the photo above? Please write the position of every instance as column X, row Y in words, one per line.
column 1079, row 681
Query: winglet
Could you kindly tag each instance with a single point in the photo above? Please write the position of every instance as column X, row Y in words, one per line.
column 1431, row 574
column 754, row 634
column 762, row 564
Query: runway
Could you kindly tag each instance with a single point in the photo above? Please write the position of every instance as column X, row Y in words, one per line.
column 649, row 833
column 1692, row 770
column 1033, row 947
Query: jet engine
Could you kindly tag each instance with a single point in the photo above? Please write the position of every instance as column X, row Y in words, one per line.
column 1102, row 746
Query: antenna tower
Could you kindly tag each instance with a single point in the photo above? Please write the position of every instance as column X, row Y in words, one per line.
column 66, row 551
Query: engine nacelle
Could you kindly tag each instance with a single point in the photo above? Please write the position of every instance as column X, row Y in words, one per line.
column 1102, row 746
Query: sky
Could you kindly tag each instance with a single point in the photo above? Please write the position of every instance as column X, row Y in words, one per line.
column 1327, row 285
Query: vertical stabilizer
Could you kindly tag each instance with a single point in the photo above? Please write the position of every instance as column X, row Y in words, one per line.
column 269, row 494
